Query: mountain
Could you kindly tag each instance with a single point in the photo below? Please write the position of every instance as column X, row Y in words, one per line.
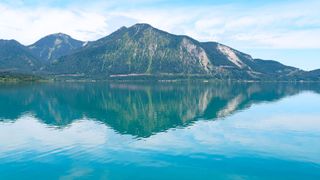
column 240, row 63
column 141, row 52
column 16, row 58
column 144, row 50
column 54, row 46
column 310, row 75
column 140, row 49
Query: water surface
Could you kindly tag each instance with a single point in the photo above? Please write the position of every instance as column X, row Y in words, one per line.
column 160, row 131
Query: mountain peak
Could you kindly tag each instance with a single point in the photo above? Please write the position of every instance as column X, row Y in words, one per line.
column 141, row 26
column 136, row 27
column 61, row 34
column 10, row 41
column 16, row 58
column 122, row 27
column 57, row 35
column 54, row 46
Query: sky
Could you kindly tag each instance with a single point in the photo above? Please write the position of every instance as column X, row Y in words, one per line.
column 286, row 31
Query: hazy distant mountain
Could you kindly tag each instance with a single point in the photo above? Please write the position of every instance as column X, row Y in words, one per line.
column 15, row 57
column 54, row 46
column 142, row 51
column 311, row 75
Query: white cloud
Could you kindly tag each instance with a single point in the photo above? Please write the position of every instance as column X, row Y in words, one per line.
column 269, row 26
column 28, row 25
column 287, row 39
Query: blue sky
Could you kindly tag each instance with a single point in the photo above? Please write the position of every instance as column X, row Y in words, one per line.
column 287, row 31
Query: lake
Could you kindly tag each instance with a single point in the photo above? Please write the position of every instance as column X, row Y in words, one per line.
column 160, row 130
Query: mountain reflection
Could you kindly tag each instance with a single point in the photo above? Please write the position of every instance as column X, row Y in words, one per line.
column 138, row 109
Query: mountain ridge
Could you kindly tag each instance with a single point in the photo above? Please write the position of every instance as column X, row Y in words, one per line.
column 15, row 57
column 144, row 50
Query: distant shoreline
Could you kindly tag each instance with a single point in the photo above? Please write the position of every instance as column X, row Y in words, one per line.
column 17, row 78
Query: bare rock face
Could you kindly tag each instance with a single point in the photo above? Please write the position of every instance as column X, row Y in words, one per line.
column 196, row 53
column 231, row 55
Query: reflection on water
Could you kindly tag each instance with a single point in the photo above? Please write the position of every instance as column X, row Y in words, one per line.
column 160, row 131
column 139, row 110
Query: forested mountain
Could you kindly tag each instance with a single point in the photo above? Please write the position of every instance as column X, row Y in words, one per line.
column 15, row 57
column 54, row 46
column 141, row 51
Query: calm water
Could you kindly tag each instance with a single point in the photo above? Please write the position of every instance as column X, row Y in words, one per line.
column 160, row 131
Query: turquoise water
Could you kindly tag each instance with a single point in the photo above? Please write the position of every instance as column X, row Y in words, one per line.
column 160, row 131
